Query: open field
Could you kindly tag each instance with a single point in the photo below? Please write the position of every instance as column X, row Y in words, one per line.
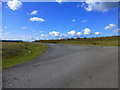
column 18, row 52
column 99, row 41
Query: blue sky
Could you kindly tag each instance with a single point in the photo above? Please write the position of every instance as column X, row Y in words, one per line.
column 51, row 20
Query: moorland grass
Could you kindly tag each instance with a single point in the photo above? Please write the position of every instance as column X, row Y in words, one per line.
column 98, row 41
column 18, row 52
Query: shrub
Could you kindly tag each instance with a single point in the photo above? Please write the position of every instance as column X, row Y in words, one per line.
column 84, row 38
column 94, row 43
column 54, row 42
column 78, row 38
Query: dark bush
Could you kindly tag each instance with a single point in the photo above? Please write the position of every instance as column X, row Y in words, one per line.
column 68, row 39
column 72, row 38
column 54, row 42
column 78, row 38
column 94, row 43
column 84, row 38
column 26, row 48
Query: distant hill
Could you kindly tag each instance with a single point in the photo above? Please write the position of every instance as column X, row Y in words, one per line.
column 11, row 41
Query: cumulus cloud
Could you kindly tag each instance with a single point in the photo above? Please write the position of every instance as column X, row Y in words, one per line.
column 34, row 12
column 74, row 33
column 54, row 34
column 0, row 4
column 59, row 1
column 43, row 35
column 78, row 33
column 57, row 34
column 116, row 30
column 62, row 35
column 37, row 19
column 110, row 26
column 23, row 27
column 90, row 5
column 87, row 31
column 14, row 4
column 98, row 33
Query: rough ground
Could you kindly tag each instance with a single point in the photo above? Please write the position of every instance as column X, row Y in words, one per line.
column 67, row 66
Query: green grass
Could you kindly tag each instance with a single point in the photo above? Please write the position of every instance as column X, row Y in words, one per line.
column 0, row 55
column 99, row 41
column 18, row 52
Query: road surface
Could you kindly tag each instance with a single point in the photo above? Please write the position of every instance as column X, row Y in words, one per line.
column 67, row 66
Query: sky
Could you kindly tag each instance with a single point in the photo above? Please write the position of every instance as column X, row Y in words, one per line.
column 57, row 20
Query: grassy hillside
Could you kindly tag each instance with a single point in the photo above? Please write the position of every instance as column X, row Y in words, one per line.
column 18, row 52
column 99, row 41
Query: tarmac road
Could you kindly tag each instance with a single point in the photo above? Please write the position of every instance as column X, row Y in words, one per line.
column 67, row 66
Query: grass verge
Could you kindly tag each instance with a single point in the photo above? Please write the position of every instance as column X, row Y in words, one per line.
column 98, row 41
column 14, row 53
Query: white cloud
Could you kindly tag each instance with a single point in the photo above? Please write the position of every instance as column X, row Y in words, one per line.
column 98, row 33
column 0, row 4
column 91, row 5
column 116, row 30
column 23, row 27
column 43, row 35
column 73, row 20
column 57, row 34
column 59, row 1
column 87, row 31
column 78, row 33
column 72, row 33
column 110, row 26
column 83, row 21
column 34, row 12
column 54, row 34
column 14, row 4
column 62, row 36
column 37, row 19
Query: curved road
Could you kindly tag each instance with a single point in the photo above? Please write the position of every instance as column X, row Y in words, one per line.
column 67, row 66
